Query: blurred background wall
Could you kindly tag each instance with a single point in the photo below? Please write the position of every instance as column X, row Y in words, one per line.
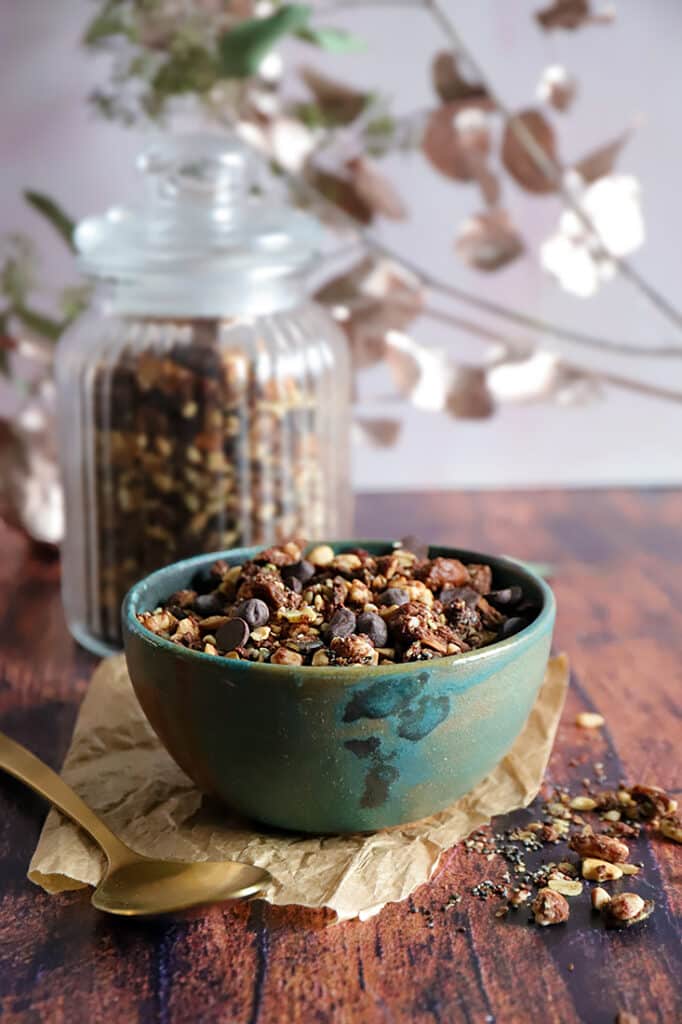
column 627, row 72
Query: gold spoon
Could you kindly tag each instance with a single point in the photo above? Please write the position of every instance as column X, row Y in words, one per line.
column 134, row 884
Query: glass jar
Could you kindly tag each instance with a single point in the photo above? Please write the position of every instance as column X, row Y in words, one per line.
column 203, row 399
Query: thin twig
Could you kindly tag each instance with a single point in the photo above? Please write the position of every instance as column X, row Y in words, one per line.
column 615, row 380
column 549, row 166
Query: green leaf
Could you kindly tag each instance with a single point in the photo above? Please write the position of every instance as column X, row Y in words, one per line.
column 192, row 69
column 60, row 221
column 109, row 22
column 43, row 325
column 333, row 40
column 242, row 49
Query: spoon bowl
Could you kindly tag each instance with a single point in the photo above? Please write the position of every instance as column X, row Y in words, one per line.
column 146, row 886
column 134, row 885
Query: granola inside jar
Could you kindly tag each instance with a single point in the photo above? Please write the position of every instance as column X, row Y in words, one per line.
column 204, row 398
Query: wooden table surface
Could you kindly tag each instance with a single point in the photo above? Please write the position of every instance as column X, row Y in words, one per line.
column 618, row 579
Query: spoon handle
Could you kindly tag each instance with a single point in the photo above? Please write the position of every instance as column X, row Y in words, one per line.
column 26, row 767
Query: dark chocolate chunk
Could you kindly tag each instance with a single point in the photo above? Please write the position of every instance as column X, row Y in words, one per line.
column 232, row 634
column 449, row 595
column 254, row 612
column 511, row 626
column 373, row 626
column 508, row 597
column 342, row 623
column 209, row 604
column 204, row 580
column 294, row 584
column 394, row 595
column 302, row 571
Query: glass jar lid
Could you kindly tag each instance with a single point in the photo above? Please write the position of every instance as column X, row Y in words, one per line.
column 205, row 221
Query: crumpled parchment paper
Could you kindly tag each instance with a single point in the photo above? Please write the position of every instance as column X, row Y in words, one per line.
column 117, row 764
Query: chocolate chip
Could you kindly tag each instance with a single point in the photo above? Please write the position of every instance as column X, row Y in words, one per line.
column 508, row 597
column 204, row 580
column 302, row 571
column 208, row 604
column 342, row 623
column 294, row 584
column 254, row 612
column 232, row 634
column 373, row 626
column 511, row 626
column 449, row 595
column 394, row 595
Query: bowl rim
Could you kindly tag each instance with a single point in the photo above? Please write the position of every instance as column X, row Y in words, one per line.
column 347, row 673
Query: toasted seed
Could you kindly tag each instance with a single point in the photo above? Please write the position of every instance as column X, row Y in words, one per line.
column 600, row 870
column 582, row 803
column 599, row 898
column 611, row 816
column 589, row 720
column 566, row 886
column 321, row 556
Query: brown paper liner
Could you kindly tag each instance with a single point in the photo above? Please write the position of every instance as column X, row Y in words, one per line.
column 117, row 764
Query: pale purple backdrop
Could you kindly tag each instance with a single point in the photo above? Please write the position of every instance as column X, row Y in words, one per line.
column 51, row 141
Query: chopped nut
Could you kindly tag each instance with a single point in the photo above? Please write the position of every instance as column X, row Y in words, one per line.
column 321, row 556
column 600, row 870
column 549, row 907
column 627, row 908
column 599, row 898
column 346, row 563
column 519, row 896
column 284, row 656
column 652, row 800
column 611, row 816
column 210, row 649
column 582, row 803
column 589, row 720
column 671, row 828
column 158, row 621
column 566, row 886
column 354, row 650
column 320, row 658
column 187, row 631
column 568, row 869
column 260, row 633
column 600, row 846
column 629, row 869
column 623, row 1017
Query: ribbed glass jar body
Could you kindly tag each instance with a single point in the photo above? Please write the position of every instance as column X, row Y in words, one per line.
column 180, row 436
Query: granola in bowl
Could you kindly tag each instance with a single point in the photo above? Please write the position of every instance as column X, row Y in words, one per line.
column 293, row 605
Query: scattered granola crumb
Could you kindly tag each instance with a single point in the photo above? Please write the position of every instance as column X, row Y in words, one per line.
column 626, row 909
column 599, row 898
column 589, row 720
column 549, row 907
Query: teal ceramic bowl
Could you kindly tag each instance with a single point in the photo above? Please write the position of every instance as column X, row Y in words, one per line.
column 337, row 749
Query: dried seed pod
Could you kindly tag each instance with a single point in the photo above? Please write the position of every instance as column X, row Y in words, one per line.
column 599, row 898
column 627, row 908
column 600, row 846
column 600, row 870
column 549, row 907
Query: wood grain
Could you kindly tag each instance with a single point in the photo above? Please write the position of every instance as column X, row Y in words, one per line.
column 618, row 580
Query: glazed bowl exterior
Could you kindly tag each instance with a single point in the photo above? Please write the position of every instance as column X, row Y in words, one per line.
column 337, row 749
